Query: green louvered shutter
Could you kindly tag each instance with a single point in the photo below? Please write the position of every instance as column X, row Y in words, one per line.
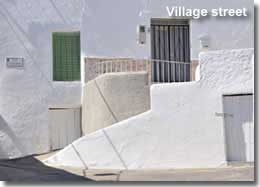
column 66, row 56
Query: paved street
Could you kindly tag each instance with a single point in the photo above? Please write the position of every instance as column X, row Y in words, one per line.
column 235, row 171
column 232, row 173
column 32, row 169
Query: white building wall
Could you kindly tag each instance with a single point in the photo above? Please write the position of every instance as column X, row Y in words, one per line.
column 182, row 129
column 26, row 94
column 110, row 26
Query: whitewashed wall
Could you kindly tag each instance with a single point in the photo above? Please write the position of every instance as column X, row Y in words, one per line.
column 108, row 28
column 113, row 97
column 111, row 26
column 25, row 94
column 181, row 130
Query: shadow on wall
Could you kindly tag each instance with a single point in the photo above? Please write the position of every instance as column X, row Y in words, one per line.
column 16, row 26
column 5, row 130
column 33, row 39
column 29, row 169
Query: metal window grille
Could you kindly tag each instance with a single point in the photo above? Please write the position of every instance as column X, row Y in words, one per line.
column 170, row 43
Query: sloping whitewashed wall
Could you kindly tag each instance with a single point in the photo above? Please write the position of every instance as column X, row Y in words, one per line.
column 182, row 129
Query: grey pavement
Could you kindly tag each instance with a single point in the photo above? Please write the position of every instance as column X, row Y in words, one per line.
column 31, row 169
column 232, row 172
column 244, row 172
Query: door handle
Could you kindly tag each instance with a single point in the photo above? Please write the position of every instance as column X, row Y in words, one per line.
column 223, row 114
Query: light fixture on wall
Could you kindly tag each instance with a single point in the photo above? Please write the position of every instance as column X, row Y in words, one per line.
column 141, row 34
column 144, row 20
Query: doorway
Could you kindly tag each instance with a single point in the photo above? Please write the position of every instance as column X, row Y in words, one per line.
column 65, row 126
column 239, row 127
column 170, row 50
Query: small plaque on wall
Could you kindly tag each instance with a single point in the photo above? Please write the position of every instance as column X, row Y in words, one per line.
column 14, row 62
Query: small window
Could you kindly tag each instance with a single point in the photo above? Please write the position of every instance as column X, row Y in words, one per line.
column 66, row 56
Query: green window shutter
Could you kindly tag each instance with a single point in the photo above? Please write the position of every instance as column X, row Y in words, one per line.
column 66, row 56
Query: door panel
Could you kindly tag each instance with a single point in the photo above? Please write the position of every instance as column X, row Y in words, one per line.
column 64, row 127
column 239, row 127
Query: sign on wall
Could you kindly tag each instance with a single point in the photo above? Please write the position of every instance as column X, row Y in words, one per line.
column 14, row 62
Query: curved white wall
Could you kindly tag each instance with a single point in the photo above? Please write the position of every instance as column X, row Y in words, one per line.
column 113, row 97
column 181, row 130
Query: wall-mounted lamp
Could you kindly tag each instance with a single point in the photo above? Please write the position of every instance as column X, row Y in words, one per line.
column 141, row 34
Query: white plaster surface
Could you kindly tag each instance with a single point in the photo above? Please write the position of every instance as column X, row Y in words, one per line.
column 111, row 26
column 25, row 94
column 181, row 130
column 113, row 97
column 108, row 28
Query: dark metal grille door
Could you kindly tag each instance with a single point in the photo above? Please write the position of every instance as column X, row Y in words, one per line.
column 170, row 42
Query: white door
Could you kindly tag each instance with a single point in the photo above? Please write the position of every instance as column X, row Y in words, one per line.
column 239, row 127
column 64, row 126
